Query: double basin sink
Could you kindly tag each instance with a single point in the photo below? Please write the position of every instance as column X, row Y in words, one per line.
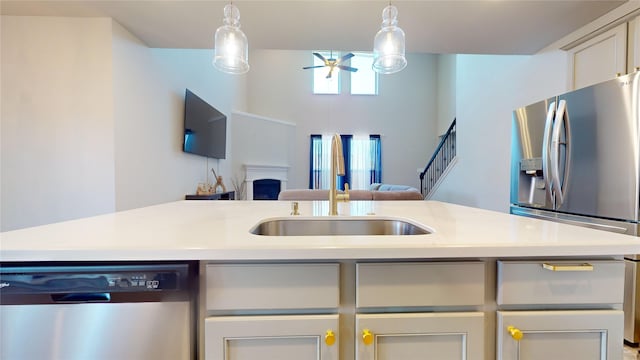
column 336, row 226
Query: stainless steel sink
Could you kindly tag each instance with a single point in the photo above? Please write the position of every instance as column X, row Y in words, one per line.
column 327, row 226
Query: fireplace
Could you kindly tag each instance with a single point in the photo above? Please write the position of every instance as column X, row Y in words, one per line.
column 266, row 189
column 262, row 173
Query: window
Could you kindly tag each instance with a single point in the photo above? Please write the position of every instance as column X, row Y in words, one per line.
column 322, row 85
column 362, row 161
column 365, row 80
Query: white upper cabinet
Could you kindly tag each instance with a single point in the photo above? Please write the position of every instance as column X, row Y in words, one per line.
column 633, row 48
column 598, row 59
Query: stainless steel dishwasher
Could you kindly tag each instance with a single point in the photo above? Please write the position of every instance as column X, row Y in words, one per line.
column 97, row 311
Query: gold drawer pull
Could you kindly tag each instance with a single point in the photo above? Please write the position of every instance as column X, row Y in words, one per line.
column 575, row 267
column 516, row 334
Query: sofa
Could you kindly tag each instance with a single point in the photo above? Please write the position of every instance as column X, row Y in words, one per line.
column 376, row 192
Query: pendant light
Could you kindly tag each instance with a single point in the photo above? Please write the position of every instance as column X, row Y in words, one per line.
column 231, row 53
column 388, row 45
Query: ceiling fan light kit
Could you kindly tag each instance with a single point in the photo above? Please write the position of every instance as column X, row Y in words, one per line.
column 388, row 45
column 231, row 52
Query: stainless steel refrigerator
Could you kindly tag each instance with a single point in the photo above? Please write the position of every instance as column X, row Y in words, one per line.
column 576, row 159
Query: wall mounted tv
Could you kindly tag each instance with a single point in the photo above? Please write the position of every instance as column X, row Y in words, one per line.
column 205, row 128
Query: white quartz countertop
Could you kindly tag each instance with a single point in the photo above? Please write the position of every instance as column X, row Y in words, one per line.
column 219, row 230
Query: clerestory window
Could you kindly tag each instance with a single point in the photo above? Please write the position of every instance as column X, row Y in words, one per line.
column 321, row 84
column 363, row 82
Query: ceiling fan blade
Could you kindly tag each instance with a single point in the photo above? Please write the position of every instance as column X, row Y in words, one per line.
column 347, row 68
column 319, row 56
column 345, row 57
column 313, row 67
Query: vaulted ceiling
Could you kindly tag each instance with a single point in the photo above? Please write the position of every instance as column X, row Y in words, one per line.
column 450, row 26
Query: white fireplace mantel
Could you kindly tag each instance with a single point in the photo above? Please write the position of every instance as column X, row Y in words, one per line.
column 259, row 172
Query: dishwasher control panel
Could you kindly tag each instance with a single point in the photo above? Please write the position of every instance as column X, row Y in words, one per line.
column 113, row 278
column 143, row 281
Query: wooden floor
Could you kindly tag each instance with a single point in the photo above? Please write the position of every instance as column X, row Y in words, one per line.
column 630, row 353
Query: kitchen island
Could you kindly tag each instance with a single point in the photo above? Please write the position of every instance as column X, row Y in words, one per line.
column 192, row 230
column 481, row 285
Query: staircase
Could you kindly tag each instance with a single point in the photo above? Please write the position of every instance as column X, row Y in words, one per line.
column 442, row 157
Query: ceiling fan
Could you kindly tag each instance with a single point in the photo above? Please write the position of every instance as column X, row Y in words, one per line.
column 333, row 63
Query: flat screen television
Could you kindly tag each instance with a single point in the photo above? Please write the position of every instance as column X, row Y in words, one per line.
column 205, row 128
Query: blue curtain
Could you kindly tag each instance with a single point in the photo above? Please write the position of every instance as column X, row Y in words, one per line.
column 315, row 162
column 346, row 153
column 376, row 158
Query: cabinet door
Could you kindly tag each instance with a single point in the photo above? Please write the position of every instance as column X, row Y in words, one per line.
column 411, row 336
column 598, row 59
column 633, row 46
column 286, row 337
column 567, row 335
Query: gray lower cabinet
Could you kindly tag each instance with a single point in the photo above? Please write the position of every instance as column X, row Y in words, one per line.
column 568, row 309
column 271, row 311
column 452, row 336
column 567, row 335
column 388, row 325
column 453, row 309
column 284, row 337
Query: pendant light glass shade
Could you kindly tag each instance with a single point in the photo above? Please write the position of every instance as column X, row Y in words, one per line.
column 231, row 53
column 388, row 45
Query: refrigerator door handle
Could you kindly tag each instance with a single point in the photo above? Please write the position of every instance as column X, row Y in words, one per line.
column 567, row 151
column 546, row 144
column 562, row 118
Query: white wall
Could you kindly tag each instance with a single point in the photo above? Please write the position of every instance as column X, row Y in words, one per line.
column 259, row 140
column 489, row 88
column 149, row 89
column 446, row 92
column 92, row 119
column 57, row 120
column 404, row 113
column 192, row 69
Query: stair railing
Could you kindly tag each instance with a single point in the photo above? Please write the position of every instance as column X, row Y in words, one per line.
column 441, row 158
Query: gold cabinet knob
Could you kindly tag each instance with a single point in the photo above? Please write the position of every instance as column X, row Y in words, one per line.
column 329, row 338
column 367, row 337
column 516, row 334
